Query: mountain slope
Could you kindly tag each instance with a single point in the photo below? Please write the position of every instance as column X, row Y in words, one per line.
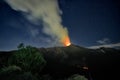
column 102, row 63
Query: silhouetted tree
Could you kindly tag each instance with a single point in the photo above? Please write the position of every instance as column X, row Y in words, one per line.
column 27, row 58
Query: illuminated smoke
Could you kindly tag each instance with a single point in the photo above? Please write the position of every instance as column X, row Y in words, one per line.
column 47, row 11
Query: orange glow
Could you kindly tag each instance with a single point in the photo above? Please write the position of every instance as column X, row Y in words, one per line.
column 66, row 41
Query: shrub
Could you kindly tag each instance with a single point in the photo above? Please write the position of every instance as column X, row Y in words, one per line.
column 10, row 69
column 28, row 58
column 77, row 77
column 13, row 73
column 9, row 73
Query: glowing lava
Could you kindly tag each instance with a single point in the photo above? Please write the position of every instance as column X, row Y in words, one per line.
column 66, row 41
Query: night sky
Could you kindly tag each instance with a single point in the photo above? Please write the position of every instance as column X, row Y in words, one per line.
column 89, row 22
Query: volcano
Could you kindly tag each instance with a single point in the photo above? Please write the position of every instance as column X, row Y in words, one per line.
column 96, row 64
column 101, row 63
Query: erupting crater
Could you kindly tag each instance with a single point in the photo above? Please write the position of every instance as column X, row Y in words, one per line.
column 66, row 41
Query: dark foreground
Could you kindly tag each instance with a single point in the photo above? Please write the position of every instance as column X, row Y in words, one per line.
column 63, row 63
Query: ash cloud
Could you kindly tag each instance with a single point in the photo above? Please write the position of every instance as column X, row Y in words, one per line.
column 47, row 11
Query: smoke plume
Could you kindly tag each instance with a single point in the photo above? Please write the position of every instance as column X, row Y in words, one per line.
column 47, row 11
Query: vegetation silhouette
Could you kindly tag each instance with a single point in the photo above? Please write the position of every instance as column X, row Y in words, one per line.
column 24, row 64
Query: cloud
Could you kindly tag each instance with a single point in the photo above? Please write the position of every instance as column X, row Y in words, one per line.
column 45, row 11
column 107, row 45
column 33, row 31
column 104, row 41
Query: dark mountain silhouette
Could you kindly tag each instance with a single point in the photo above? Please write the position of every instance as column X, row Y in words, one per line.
column 103, row 63
column 95, row 64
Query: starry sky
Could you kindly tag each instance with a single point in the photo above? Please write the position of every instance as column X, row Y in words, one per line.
column 89, row 23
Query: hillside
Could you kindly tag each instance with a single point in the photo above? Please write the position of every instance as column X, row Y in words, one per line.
column 102, row 63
